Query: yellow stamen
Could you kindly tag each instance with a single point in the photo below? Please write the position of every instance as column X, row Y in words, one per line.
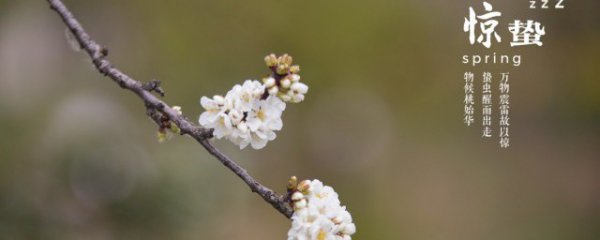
column 322, row 235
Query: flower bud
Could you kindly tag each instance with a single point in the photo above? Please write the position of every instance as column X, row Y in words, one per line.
column 300, row 204
column 161, row 136
column 295, row 77
column 304, row 186
column 297, row 196
column 285, row 59
column 282, row 69
column 269, row 82
column 297, row 98
column 292, row 183
column 273, row 91
column 299, row 87
column 295, row 69
column 271, row 60
column 285, row 97
column 174, row 128
column 285, row 83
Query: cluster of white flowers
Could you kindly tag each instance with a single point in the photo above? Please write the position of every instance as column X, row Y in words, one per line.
column 318, row 214
column 242, row 117
column 250, row 113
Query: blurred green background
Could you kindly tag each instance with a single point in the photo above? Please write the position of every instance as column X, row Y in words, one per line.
column 382, row 122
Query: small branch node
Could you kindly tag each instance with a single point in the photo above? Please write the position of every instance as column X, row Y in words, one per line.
column 104, row 51
column 154, row 86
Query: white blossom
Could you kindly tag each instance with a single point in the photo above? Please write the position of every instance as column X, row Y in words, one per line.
column 244, row 96
column 215, row 116
column 318, row 214
column 264, row 120
column 250, row 113
column 242, row 116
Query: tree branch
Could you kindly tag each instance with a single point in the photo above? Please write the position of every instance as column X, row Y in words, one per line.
column 157, row 109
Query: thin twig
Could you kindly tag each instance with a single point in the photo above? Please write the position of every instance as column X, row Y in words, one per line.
column 157, row 108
